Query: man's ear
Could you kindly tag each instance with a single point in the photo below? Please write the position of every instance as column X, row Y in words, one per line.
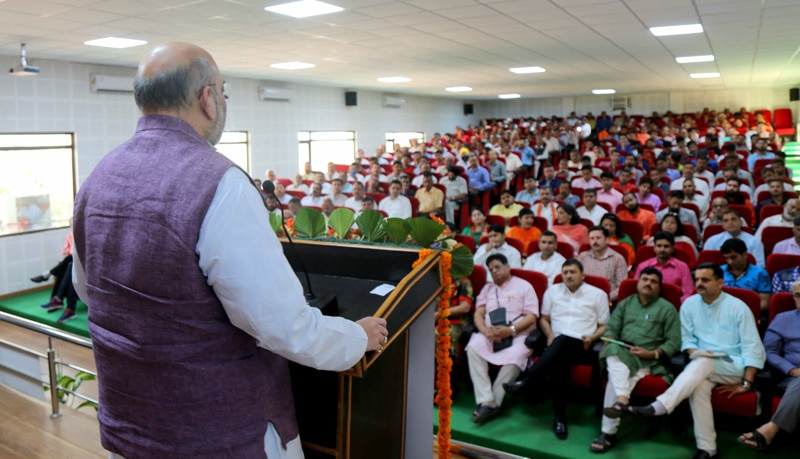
column 207, row 103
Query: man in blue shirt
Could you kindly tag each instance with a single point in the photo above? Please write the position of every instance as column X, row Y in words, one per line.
column 531, row 192
column 549, row 178
column 732, row 224
column 741, row 274
column 714, row 321
column 783, row 280
column 528, row 155
column 478, row 177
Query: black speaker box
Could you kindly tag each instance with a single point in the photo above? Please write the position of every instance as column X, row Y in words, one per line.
column 350, row 98
column 794, row 94
column 469, row 109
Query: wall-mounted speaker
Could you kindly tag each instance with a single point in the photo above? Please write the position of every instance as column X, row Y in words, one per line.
column 469, row 109
column 350, row 98
column 794, row 94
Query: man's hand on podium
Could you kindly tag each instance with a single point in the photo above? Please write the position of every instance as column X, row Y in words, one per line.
column 377, row 334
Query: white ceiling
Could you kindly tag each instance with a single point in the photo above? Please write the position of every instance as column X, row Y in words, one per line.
column 583, row 44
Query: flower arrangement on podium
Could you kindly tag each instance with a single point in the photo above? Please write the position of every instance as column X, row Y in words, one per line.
column 432, row 236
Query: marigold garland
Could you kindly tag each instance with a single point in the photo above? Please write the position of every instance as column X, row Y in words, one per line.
column 443, row 362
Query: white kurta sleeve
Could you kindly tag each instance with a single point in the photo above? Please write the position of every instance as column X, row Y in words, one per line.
column 243, row 262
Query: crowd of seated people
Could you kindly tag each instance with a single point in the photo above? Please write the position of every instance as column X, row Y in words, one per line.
column 622, row 196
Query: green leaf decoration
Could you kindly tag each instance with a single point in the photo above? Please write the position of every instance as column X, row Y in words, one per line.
column 370, row 222
column 87, row 403
column 462, row 262
column 397, row 230
column 276, row 222
column 309, row 223
column 341, row 220
column 424, row 231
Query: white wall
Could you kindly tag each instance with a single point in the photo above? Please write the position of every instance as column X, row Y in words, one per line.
column 59, row 100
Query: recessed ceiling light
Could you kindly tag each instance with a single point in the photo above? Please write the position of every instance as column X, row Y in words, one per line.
column 304, row 8
column 509, row 96
column 114, row 42
column 292, row 66
column 458, row 89
column 394, row 79
column 705, row 75
column 604, row 91
column 526, row 70
column 693, row 59
column 676, row 30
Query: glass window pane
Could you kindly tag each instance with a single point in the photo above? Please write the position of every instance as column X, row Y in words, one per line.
column 333, row 135
column 304, row 136
column 35, row 140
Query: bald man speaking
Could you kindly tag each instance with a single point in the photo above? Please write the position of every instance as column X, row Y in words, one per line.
column 191, row 333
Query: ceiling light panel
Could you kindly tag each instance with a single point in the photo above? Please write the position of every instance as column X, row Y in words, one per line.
column 304, row 9
column 394, row 79
column 509, row 96
column 458, row 89
column 694, row 59
column 704, row 75
column 523, row 70
column 292, row 66
column 676, row 30
column 604, row 91
column 114, row 42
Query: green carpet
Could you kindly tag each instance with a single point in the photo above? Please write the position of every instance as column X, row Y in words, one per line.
column 28, row 306
column 526, row 430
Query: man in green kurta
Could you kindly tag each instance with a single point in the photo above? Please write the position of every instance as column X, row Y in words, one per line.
column 647, row 331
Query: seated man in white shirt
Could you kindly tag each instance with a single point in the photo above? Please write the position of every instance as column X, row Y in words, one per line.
column 574, row 316
column 395, row 205
column 546, row 261
column 790, row 246
column 354, row 202
column 315, row 198
column 785, row 219
column 497, row 244
column 590, row 210
column 338, row 198
column 731, row 223
column 521, row 306
column 280, row 192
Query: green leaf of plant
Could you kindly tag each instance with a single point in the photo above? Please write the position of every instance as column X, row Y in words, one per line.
column 370, row 222
column 65, row 381
column 463, row 262
column 309, row 223
column 84, row 376
column 341, row 220
column 424, row 231
column 276, row 222
column 397, row 229
column 87, row 403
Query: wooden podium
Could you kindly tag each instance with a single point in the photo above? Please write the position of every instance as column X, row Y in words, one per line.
column 383, row 406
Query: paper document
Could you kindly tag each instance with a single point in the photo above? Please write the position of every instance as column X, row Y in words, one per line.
column 382, row 290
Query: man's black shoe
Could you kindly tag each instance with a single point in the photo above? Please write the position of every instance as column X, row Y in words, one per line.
column 705, row 455
column 516, row 386
column 39, row 279
column 560, row 428
column 646, row 411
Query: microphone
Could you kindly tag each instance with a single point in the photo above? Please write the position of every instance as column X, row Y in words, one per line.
column 328, row 303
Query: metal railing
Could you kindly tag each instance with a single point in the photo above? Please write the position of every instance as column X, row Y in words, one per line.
column 50, row 357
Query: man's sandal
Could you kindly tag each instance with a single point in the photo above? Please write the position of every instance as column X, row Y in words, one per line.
column 617, row 410
column 603, row 443
column 755, row 441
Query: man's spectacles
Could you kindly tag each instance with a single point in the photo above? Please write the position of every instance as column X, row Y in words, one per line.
column 226, row 89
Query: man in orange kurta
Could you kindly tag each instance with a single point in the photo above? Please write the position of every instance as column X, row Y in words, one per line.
column 632, row 211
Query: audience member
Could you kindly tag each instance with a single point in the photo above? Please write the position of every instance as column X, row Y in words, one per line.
column 478, row 177
column 785, row 219
column 497, row 244
column 549, row 178
column 636, row 213
column 590, row 210
column 500, row 343
column 618, row 237
column 607, row 193
column 741, row 274
column 673, row 270
column 531, row 192
column 546, row 208
column 586, row 179
column 565, row 194
column 546, row 261
column 569, row 229
column 715, row 321
column 645, row 195
column 651, row 330
column 731, row 223
column 525, row 232
column 431, row 199
column 674, row 202
column 315, row 198
column 298, row 185
column 395, row 205
column 790, row 246
column 574, row 316
column 507, row 208
column 602, row 261
column 456, row 192
column 479, row 226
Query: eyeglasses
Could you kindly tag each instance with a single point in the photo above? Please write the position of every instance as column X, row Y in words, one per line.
column 226, row 89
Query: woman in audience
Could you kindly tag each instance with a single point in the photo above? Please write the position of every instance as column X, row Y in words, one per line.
column 479, row 226
column 618, row 237
column 671, row 223
column 568, row 227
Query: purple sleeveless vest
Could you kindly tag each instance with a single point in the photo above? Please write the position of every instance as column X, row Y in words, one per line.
column 176, row 378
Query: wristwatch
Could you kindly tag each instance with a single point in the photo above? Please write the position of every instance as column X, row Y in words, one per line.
column 747, row 384
column 513, row 330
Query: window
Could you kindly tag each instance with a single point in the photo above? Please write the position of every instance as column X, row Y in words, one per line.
column 323, row 147
column 404, row 139
column 37, row 181
column 235, row 145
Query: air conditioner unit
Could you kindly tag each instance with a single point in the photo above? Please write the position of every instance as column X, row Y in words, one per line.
column 620, row 103
column 277, row 94
column 393, row 101
column 107, row 83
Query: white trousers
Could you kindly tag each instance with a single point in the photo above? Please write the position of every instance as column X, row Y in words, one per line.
column 485, row 391
column 272, row 446
column 620, row 384
column 695, row 383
